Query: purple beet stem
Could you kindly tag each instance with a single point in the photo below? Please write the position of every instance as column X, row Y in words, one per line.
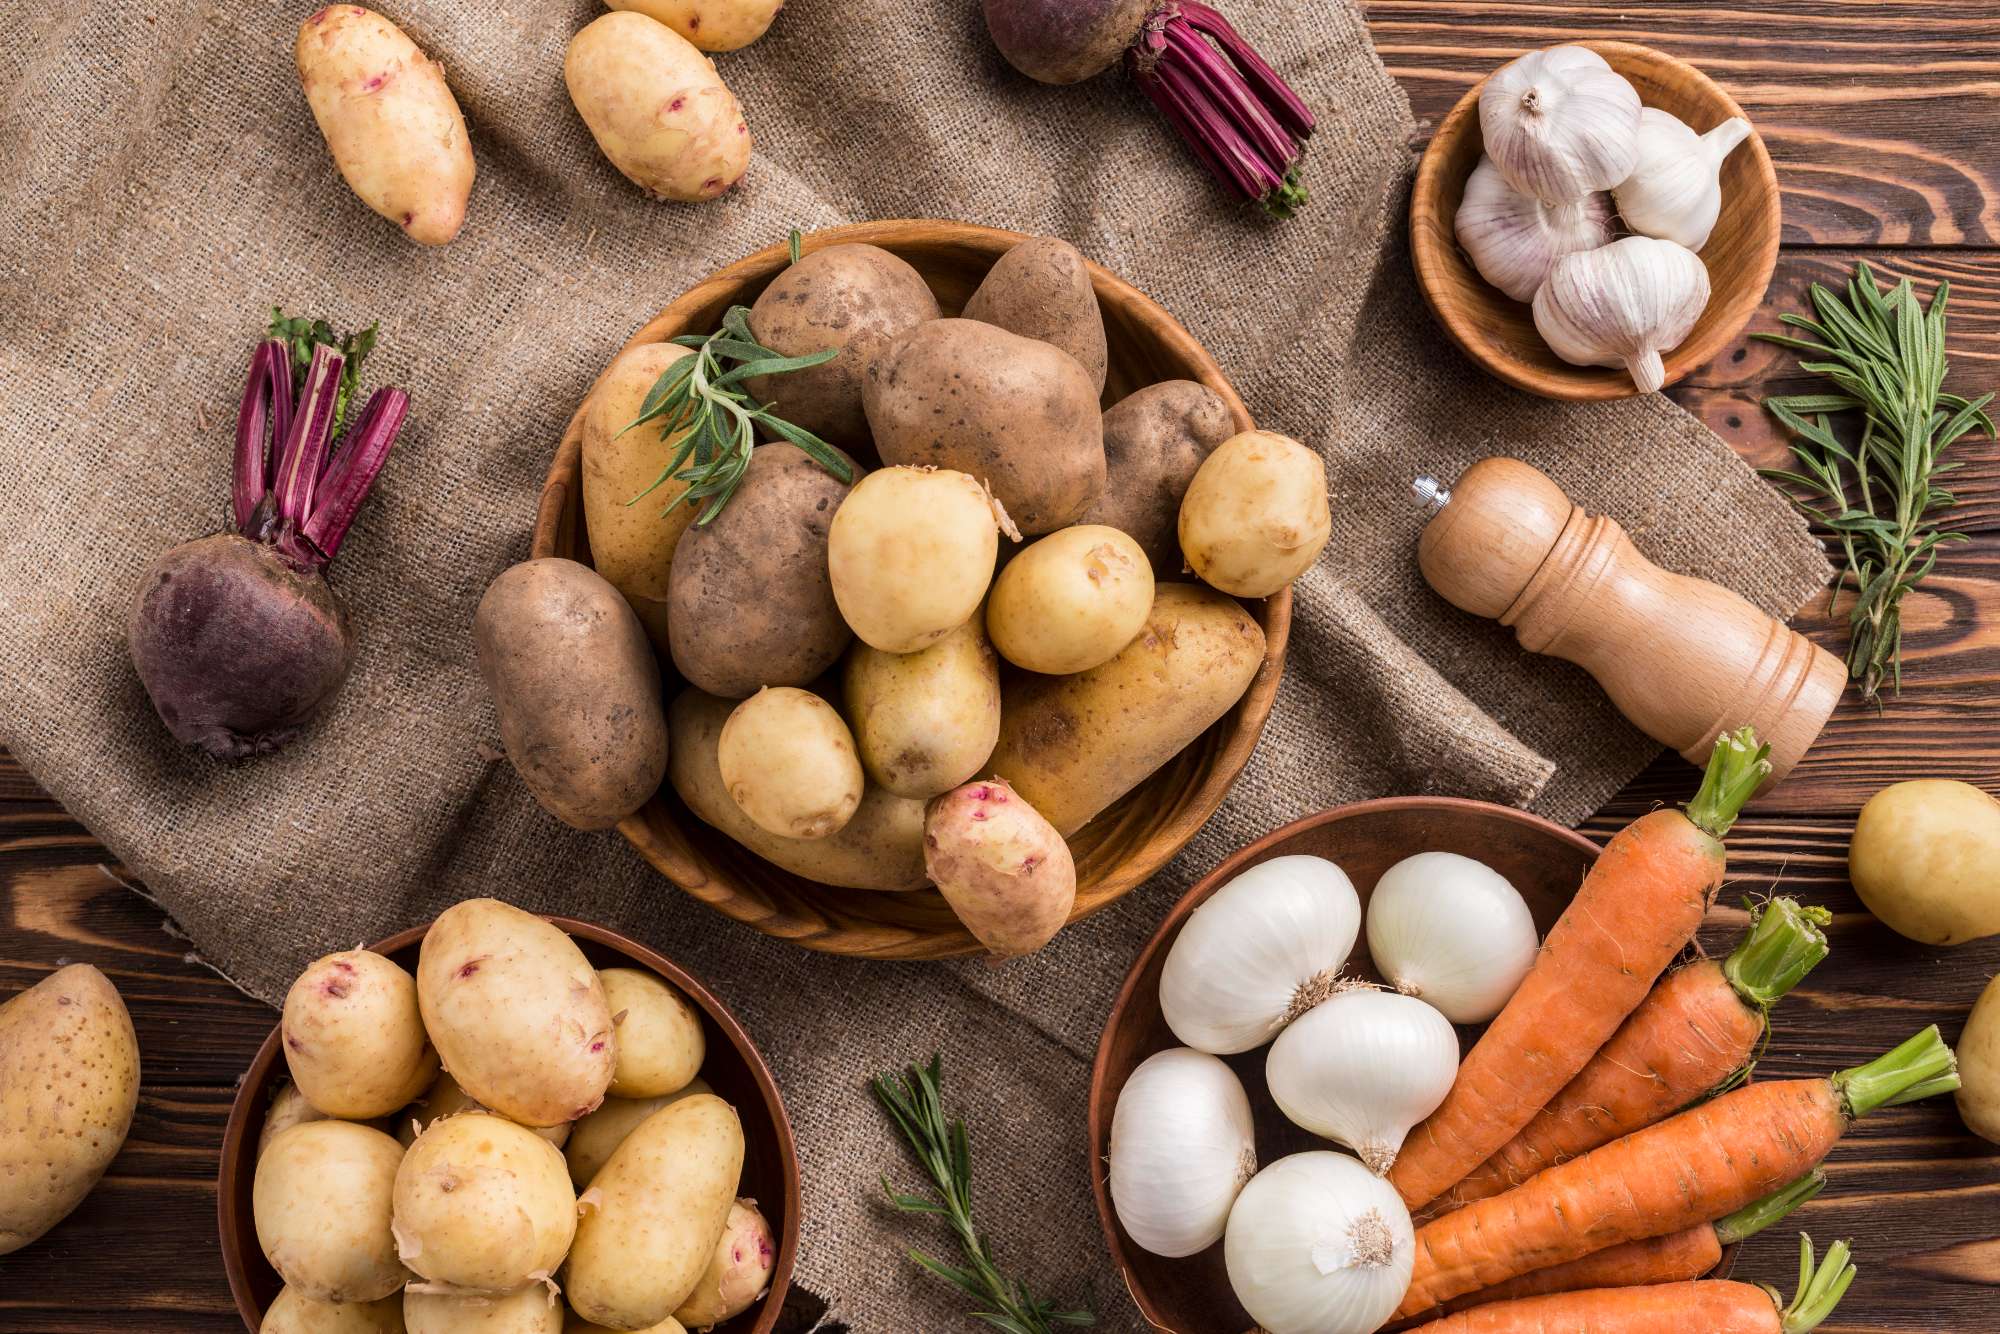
column 361, row 457
column 311, row 436
column 261, row 423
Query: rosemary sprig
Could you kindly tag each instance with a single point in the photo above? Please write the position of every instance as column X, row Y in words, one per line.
column 943, row 1149
column 701, row 399
column 1884, row 353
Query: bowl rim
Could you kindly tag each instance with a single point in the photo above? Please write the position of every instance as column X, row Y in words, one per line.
column 257, row 1076
column 1590, row 384
column 561, row 498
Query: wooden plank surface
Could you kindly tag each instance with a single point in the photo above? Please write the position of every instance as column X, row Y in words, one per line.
column 1882, row 118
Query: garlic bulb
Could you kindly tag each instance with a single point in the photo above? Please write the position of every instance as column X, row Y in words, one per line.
column 1318, row 1244
column 1451, row 931
column 1514, row 239
column 1560, row 123
column 1675, row 191
column 1182, row 1146
column 1363, row 1067
column 1622, row 305
column 1263, row 949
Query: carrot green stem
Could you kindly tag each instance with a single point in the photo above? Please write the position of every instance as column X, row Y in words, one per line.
column 1786, row 942
column 1919, row 1068
column 1748, row 1221
column 1820, row 1288
column 1736, row 768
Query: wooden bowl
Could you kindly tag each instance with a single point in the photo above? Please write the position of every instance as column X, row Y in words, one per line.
column 733, row 1069
column 1117, row 851
column 1498, row 332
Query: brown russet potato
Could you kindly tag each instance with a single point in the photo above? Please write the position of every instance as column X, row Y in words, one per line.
column 1041, row 289
column 1154, row 441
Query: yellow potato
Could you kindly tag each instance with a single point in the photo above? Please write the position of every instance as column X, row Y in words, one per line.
column 1005, row 871
column 516, row 1012
column 389, row 118
column 483, row 1204
column 1926, row 860
column 291, row 1312
column 657, row 108
column 660, row 1042
column 881, row 847
column 1256, row 515
column 531, row 1310
column 632, row 543
column 322, row 1201
column 1979, row 1066
column 789, row 763
column 653, row 1214
column 353, row 1039
column 925, row 722
column 738, row 1273
column 576, row 1324
column 910, row 554
column 1072, row 745
column 445, row 1098
column 288, row 1108
column 1070, row 601
column 599, row 1134
column 712, row 25
column 69, row 1083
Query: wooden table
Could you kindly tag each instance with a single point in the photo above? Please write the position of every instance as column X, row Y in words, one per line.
column 1882, row 117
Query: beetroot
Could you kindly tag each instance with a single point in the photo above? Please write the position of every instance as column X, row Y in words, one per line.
column 238, row 637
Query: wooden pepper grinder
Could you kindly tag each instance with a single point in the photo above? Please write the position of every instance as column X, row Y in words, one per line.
column 1681, row 657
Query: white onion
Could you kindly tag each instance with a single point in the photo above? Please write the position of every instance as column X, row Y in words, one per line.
column 1318, row 1244
column 1262, row 950
column 1362, row 1068
column 1451, row 931
column 1182, row 1145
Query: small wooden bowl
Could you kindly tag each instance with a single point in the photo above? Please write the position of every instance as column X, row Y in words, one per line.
column 733, row 1068
column 1117, row 851
column 1498, row 332
column 1544, row 861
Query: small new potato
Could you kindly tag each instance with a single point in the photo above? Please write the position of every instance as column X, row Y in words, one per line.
column 789, row 763
column 288, row 1108
column 576, row 1324
column 657, row 108
column 738, row 1274
column 1003, row 869
column 322, row 1201
column 1070, row 601
column 1256, row 515
column 654, row 1214
column 911, row 554
column 1041, row 289
column 1926, row 860
column 291, row 1312
column 518, row 1014
column 1154, row 442
column 925, row 722
column 660, row 1042
column 632, row 545
column 598, row 1135
column 389, row 119
column 1979, row 1066
column 712, row 25
column 530, row 1310
column 483, row 1204
column 445, row 1098
column 353, row 1038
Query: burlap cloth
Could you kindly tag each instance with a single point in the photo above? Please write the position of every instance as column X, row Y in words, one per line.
column 164, row 185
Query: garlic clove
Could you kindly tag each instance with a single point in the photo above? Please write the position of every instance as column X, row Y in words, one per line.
column 1560, row 123
column 1514, row 239
column 1675, row 192
column 1623, row 305
column 1183, row 1143
column 1362, row 1068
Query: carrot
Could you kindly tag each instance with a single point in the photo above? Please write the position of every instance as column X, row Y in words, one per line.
column 1695, row 1034
column 1641, row 902
column 1670, row 1308
column 1708, row 1161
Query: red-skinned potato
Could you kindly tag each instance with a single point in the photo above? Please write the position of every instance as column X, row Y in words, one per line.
column 1154, row 443
column 1041, row 289
column 1003, row 869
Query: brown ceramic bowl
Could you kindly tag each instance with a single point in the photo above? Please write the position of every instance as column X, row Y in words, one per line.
column 733, row 1069
column 1544, row 861
column 1117, row 851
column 1498, row 332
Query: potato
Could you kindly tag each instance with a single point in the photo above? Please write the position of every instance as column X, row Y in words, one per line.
column 1041, row 289
column 712, row 25
column 288, row 1108
column 1015, row 413
column 632, row 545
column 445, row 1098
column 1003, row 869
column 1070, row 601
column 1256, row 516
column 738, row 1273
column 1926, row 860
column 600, row 1133
column 853, row 297
column 322, row 1200
column 749, row 597
column 653, row 1214
column 389, row 118
column 69, row 1083
column 353, row 1039
column 531, row 1310
column 483, row 1204
column 881, row 847
column 657, row 108
column 925, row 722
column 1072, row 745
column 516, row 1011
column 578, row 1325
column 1154, row 442
column 911, row 554
column 292, row 1313
column 576, row 689
column 1979, row 1066
column 788, row 762
column 660, row 1041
